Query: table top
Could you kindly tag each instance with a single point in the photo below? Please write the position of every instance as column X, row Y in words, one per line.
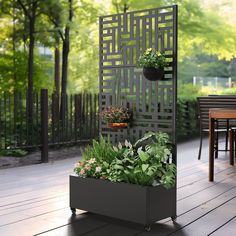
column 222, row 113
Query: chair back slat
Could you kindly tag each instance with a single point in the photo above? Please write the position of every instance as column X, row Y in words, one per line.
column 221, row 101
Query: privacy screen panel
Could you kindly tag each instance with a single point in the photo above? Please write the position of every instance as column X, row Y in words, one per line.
column 123, row 38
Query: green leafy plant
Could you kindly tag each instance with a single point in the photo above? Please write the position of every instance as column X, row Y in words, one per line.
column 101, row 150
column 115, row 114
column 152, row 58
column 14, row 152
column 147, row 162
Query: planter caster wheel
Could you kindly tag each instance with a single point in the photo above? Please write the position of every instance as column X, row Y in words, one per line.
column 73, row 210
column 147, row 228
column 173, row 218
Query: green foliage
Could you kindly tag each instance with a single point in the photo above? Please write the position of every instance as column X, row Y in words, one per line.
column 147, row 162
column 203, row 65
column 187, row 117
column 152, row 58
column 101, row 150
column 228, row 91
column 84, row 54
column 14, row 152
column 194, row 36
column 189, row 91
column 216, row 37
column 42, row 72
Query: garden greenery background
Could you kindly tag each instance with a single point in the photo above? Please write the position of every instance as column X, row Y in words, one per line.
column 54, row 43
column 207, row 40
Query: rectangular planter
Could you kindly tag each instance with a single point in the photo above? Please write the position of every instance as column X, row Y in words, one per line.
column 135, row 203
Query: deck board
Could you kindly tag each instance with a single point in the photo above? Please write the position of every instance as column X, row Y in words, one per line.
column 34, row 200
column 227, row 229
column 218, row 216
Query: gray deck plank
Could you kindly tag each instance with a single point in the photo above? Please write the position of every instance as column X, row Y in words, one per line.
column 36, row 207
column 104, row 229
column 229, row 228
column 27, row 229
column 213, row 220
column 33, row 226
column 200, row 167
column 201, row 174
column 37, row 193
column 206, row 195
column 199, row 185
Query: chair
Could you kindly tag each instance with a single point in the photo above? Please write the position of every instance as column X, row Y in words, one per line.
column 204, row 104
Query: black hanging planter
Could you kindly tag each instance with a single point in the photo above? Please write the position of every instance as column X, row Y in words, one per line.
column 153, row 74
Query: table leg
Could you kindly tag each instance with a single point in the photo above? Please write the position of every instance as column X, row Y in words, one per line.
column 231, row 149
column 211, row 148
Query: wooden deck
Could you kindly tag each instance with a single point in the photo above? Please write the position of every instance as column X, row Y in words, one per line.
column 34, row 201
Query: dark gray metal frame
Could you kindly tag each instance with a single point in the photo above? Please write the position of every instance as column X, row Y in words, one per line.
column 123, row 38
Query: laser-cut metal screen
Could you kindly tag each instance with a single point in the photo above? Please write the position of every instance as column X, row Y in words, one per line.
column 123, row 38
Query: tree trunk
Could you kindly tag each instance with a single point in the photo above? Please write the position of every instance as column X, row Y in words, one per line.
column 65, row 54
column 57, row 69
column 30, row 108
column 56, row 108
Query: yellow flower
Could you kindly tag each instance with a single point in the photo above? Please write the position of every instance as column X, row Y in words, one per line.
column 149, row 50
column 158, row 54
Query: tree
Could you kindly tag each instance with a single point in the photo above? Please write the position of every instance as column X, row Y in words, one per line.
column 197, row 26
column 66, row 48
column 30, row 10
column 53, row 12
column 121, row 6
column 62, row 24
column 84, row 53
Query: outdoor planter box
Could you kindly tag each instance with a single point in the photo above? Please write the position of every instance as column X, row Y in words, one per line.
column 135, row 203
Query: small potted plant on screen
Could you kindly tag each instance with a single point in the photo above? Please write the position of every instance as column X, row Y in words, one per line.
column 116, row 116
column 153, row 63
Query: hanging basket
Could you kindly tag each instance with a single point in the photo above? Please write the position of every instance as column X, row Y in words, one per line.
column 117, row 125
column 153, row 74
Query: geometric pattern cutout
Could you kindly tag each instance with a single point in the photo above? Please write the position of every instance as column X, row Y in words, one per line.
column 123, row 37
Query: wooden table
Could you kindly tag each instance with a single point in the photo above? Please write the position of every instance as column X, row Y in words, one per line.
column 215, row 114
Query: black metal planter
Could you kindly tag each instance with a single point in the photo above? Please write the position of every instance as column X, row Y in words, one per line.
column 153, row 74
column 134, row 203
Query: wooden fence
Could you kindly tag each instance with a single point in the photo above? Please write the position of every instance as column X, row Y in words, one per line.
column 78, row 123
